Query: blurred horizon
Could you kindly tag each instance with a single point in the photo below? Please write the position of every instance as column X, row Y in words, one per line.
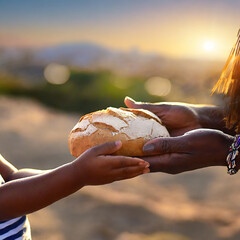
column 176, row 29
column 153, row 51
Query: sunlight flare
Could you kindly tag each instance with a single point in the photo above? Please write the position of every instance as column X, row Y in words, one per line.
column 209, row 46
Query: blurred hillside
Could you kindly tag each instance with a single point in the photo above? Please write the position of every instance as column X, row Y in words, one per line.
column 100, row 77
column 84, row 91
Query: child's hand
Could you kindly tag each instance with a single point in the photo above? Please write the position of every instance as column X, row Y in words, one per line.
column 29, row 194
column 96, row 166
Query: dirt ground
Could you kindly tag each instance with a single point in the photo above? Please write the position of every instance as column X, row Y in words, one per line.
column 204, row 204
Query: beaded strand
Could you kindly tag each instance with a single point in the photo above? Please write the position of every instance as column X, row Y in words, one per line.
column 233, row 153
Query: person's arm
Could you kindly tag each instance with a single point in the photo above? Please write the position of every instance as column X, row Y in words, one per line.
column 9, row 172
column 212, row 117
column 180, row 118
column 25, row 195
column 26, row 172
column 196, row 149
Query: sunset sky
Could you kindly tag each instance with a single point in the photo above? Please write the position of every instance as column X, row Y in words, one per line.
column 176, row 28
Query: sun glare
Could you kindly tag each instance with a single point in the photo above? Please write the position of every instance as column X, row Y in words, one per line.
column 209, row 46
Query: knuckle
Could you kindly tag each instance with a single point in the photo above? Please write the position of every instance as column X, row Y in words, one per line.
column 164, row 146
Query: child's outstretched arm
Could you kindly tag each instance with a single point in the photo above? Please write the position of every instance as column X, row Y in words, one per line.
column 25, row 195
column 9, row 172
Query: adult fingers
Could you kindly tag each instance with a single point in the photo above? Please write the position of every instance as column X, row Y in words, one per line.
column 130, row 103
column 158, row 163
column 166, row 145
column 169, row 163
column 106, row 148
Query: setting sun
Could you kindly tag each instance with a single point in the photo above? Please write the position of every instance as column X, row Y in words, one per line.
column 209, row 46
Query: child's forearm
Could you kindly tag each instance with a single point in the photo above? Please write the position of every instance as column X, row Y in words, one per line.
column 30, row 194
column 9, row 172
column 26, row 172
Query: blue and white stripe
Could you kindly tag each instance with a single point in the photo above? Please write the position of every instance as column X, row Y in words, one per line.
column 15, row 229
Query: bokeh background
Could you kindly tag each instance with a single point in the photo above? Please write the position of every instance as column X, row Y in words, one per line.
column 62, row 59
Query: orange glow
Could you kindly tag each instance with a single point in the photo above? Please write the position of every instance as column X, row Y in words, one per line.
column 175, row 37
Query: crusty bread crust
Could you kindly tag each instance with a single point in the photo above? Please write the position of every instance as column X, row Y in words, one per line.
column 133, row 127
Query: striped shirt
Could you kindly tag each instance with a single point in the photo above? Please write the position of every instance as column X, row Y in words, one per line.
column 14, row 229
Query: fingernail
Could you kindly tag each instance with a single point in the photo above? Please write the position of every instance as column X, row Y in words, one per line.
column 145, row 164
column 118, row 143
column 148, row 148
column 129, row 98
column 146, row 171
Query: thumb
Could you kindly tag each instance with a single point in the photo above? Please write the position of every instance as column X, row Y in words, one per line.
column 165, row 145
column 130, row 103
column 106, row 148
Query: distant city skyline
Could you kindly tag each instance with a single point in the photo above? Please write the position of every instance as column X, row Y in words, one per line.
column 179, row 29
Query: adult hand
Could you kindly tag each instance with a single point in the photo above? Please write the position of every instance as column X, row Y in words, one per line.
column 179, row 118
column 195, row 149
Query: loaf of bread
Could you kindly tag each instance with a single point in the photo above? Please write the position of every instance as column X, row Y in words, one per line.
column 134, row 127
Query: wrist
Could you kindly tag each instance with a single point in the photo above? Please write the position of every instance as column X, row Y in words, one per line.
column 212, row 117
column 77, row 174
column 229, row 142
column 209, row 116
column 220, row 148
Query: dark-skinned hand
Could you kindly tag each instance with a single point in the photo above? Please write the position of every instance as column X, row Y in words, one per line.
column 195, row 149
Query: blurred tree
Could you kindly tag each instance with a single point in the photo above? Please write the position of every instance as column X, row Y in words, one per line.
column 85, row 91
